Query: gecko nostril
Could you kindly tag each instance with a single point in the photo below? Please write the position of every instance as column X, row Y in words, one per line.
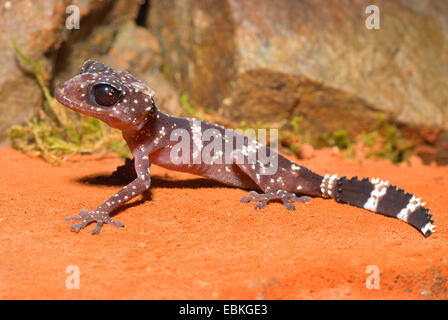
column 105, row 95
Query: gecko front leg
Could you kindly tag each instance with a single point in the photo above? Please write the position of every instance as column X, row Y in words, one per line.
column 102, row 213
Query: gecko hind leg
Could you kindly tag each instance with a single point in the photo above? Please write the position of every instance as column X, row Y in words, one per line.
column 87, row 217
column 262, row 199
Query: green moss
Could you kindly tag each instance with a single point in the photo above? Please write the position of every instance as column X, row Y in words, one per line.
column 387, row 142
column 186, row 105
column 340, row 139
column 295, row 123
column 57, row 131
column 384, row 141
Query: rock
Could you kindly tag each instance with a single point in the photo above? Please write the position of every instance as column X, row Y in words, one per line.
column 307, row 151
column 141, row 56
column 273, row 60
column 39, row 29
column 116, row 40
column 35, row 33
column 101, row 23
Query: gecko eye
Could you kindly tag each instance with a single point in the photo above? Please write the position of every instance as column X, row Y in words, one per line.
column 105, row 95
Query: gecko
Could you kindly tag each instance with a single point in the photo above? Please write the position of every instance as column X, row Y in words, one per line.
column 124, row 102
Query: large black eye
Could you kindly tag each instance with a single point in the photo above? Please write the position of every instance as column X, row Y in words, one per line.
column 105, row 95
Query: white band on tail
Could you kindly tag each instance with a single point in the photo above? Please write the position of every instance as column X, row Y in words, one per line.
column 327, row 185
column 412, row 205
column 380, row 189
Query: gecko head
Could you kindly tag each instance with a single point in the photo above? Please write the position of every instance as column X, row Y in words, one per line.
column 118, row 98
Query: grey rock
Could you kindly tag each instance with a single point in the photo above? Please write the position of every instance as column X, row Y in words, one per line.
column 40, row 31
column 271, row 60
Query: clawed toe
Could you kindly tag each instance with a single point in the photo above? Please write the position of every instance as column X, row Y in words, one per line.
column 117, row 224
column 246, row 199
column 77, row 227
column 287, row 199
column 260, row 205
column 88, row 217
column 290, row 206
column 97, row 229
column 73, row 218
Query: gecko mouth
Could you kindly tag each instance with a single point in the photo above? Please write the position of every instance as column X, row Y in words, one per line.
column 62, row 98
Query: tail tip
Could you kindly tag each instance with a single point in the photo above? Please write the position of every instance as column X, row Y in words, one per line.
column 428, row 229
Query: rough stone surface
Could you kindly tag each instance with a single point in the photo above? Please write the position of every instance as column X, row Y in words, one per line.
column 40, row 32
column 197, row 48
column 275, row 59
column 36, row 27
column 249, row 60
column 101, row 22
column 141, row 57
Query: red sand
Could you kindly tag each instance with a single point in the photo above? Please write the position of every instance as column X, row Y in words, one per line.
column 194, row 240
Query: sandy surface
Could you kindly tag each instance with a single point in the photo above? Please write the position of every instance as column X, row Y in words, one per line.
column 192, row 239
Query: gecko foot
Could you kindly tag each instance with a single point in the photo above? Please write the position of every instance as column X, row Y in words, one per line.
column 262, row 199
column 86, row 217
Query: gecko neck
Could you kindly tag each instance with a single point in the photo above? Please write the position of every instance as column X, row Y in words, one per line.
column 135, row 135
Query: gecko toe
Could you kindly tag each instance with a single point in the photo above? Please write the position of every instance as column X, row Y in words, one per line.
column 303, row 199
column 117, row 223
column 260, row 205
column 252, row 196
column 77, row 227
column 84, row 212
column 97, row 229
column 86, row 217
column 287, row 199
column 290, row 206
column 73, row 219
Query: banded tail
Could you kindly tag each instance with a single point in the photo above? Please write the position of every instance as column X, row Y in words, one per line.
column 380, row 197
